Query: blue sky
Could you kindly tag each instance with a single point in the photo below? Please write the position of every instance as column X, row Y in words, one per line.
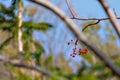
column 92, row 8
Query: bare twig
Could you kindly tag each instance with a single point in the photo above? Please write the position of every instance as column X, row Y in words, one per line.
column 77, row 18
column 91, row 25
column 13, row 2
column 111, row 15
column 71, row 9
column 17, row 63
column 76, row 42
column 114, row 12
column 71, row 25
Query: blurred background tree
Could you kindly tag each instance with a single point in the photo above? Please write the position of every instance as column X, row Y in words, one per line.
column 50, row 53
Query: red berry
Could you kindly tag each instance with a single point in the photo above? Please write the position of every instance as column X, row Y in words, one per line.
column 75, row 53
column 73, row 56
column 80, row 49
column 86, row 50
column 71, row 40
column 68, row 43
column 79, row 53
column 74, row 48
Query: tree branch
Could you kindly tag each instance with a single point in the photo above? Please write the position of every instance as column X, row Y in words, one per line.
column 71, row 25
column 71, row 9
column 111, row 15
column 92, row 18
column 17, row 63
column 20, row 44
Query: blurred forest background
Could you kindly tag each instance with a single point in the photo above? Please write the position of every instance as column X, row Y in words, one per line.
column 45, row 39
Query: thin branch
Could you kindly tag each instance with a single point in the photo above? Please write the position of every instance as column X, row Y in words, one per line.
column 71, row 9
column 77, row 18
column 74, row 17
column 17, row 63
column 114, row 12
column 90, row 25
column 76, row 42
column 73, row 27
column 13, row 2
column 111, row 15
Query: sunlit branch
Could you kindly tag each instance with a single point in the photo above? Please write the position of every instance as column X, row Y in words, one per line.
column 111, row 15
column 20, row 44
column 73, row 27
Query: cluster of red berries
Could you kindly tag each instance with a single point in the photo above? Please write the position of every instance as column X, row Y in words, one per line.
column 77, row 51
